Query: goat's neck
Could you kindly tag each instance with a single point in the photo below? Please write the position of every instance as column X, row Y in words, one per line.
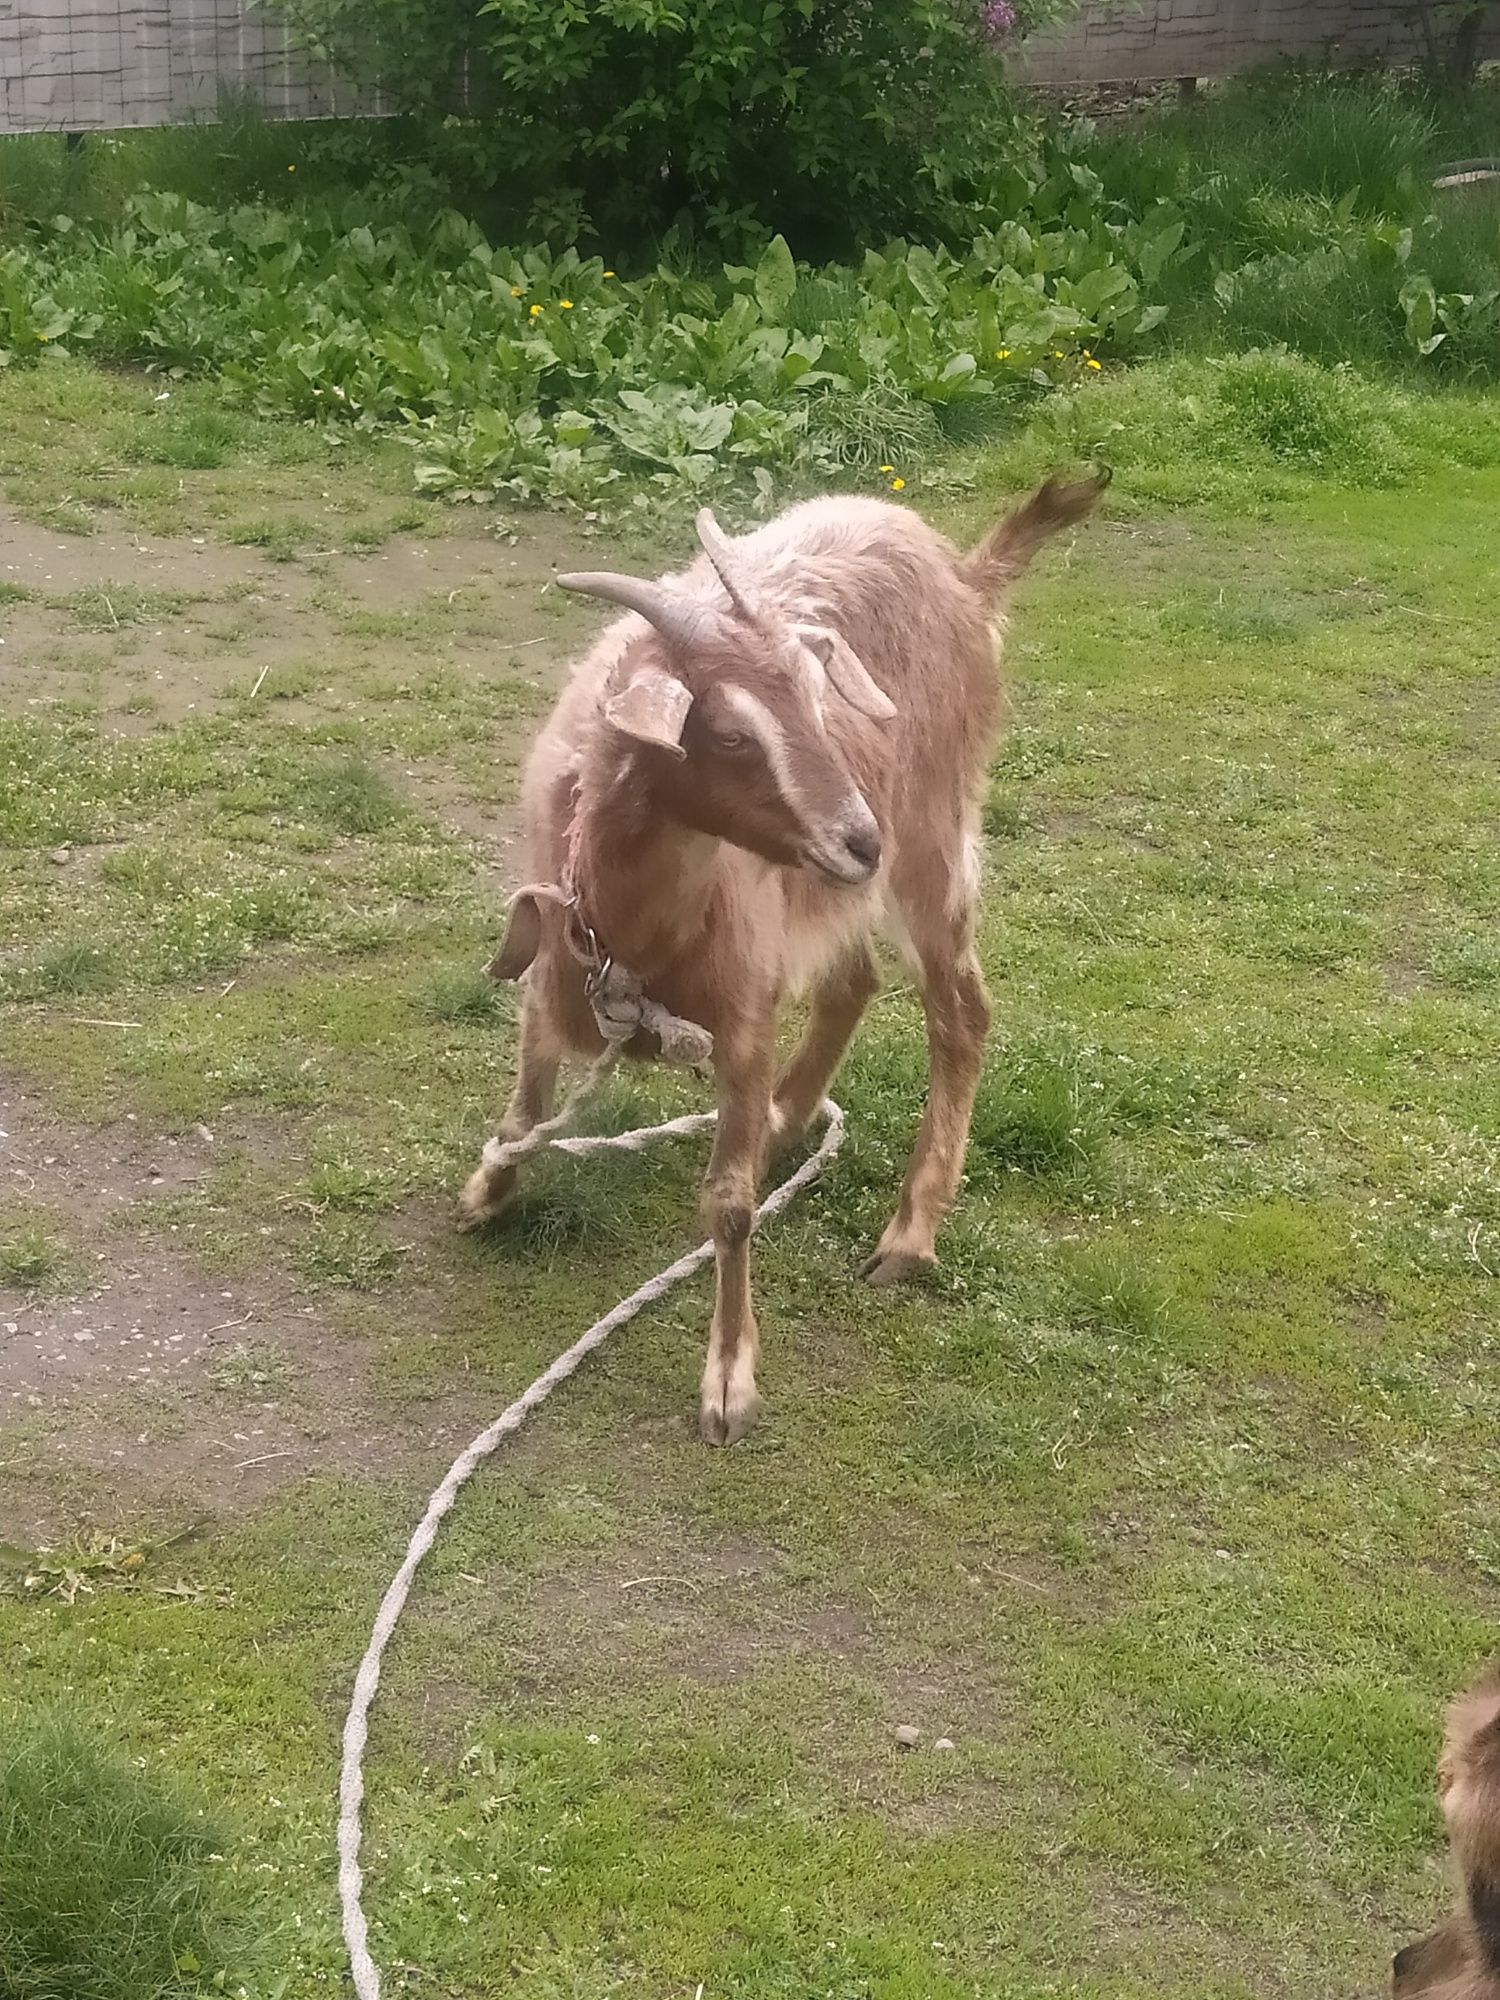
column 644, row 880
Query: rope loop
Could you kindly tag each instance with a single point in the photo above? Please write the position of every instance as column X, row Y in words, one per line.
column 501, row 1153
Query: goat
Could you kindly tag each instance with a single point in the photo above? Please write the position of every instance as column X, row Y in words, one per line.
column 1460, row 1960
column 775, row 753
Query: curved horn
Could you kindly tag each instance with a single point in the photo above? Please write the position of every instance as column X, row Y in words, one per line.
column 674, row 617
column 725, row 558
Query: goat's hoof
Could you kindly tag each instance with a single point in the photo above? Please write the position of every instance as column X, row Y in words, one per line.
column 727, row 1412
column 895, row 1267
column 484, row 1197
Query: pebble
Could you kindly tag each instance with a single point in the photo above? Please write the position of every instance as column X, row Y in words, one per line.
column 60, row 856
column 908, row 1736
column 945, row 1743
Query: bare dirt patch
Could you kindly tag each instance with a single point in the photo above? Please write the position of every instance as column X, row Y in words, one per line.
column 246, row 616
column 138, row 1388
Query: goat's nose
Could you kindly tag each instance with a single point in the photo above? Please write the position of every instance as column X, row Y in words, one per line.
column 863, row 843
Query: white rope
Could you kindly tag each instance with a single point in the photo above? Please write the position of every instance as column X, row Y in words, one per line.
column 367, row 1680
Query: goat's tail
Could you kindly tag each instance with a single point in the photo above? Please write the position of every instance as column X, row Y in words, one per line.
column 1009, row 546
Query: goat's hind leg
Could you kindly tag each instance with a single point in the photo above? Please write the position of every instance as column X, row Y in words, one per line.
column 957, row 1007
column 489, row 1189
column 838, row 1002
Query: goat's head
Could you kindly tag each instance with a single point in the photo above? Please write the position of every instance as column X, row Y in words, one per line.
column 725, row 708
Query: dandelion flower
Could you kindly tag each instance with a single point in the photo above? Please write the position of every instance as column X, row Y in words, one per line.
column 1092, row 363
column 888, row 468
column 1002, row 354
column 534, row 311
column 565, row 305
column 898, row 485
column 609, row 274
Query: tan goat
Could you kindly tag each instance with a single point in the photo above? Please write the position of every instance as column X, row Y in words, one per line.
column 1461, row 1959
column 776, row 756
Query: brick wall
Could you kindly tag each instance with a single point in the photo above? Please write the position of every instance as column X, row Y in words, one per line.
column 1111, row 42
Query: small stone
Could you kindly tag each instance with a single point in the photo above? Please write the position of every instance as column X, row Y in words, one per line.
column 60, row 856
column 204, row 1134
column 945, row 1743
column 908, row 1736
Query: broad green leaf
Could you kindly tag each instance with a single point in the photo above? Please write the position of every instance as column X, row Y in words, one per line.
column 775, row 279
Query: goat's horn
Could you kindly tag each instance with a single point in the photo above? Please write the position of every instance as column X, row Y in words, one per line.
column 674, row 617
column 731, row 571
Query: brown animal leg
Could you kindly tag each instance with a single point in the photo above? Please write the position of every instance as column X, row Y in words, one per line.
column 489, row 1189
column 730, row 1401
column 1423, row 1967
column 839, row 1000
column 958, row 1018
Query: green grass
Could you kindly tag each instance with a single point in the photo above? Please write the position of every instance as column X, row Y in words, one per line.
column 1169, row 1499
column 109, row 1875
column 35, row 1261
column 251, row 1368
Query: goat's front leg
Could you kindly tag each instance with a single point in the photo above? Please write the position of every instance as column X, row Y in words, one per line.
column 744, row 1064
column 489, row 1189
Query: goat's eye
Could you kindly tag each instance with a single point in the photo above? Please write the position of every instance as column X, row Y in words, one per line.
column 730, row 739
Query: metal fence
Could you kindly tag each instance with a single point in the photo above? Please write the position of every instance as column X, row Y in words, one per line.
column 97, row 65
column 1110, row 42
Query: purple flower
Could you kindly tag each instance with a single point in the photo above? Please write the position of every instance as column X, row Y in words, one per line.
column 998, row 18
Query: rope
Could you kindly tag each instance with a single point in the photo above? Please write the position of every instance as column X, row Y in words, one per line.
column 367, row 1680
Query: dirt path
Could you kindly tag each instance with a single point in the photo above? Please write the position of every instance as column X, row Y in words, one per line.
column 135, row 1378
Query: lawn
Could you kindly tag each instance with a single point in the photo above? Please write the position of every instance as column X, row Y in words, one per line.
column 1170, row 1503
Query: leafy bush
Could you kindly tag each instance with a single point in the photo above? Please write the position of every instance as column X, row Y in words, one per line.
column 797, row 112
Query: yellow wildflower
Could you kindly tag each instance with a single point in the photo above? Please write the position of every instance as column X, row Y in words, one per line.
column 291, row 170
column 1002, row 354
column 1092, row 363
column 609, row 274
column 518, row 291
column 888, row 468
column 534, row 311
column 565, row 305
column 898, row 485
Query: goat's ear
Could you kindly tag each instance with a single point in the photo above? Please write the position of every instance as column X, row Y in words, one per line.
column 652, row 707
column 523, row 936
column 848, row 672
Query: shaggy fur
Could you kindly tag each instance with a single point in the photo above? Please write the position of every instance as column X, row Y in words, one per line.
column 745, row 785
column 1460, row 1960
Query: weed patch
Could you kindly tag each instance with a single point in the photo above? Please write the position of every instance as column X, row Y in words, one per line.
column 109, row 1876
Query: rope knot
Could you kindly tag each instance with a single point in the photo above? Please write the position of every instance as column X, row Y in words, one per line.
column 621, row 1010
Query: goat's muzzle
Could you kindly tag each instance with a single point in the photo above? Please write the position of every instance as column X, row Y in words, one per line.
column 848, row 853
